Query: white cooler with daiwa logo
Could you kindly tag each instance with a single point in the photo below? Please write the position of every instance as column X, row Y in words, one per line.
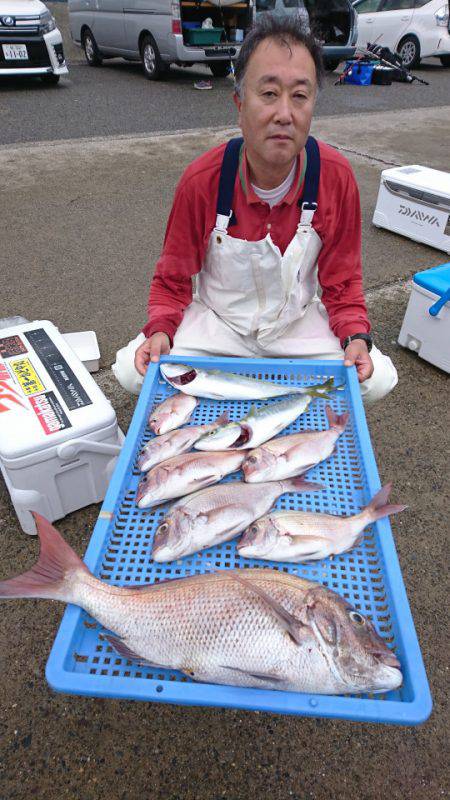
column 415, row 201
column 59, row 438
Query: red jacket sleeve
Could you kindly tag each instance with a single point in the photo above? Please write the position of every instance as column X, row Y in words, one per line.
column 181, row 258
column 339, row 264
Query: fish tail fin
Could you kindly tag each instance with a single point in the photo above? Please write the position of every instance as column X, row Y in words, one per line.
column 379, row 507
column 223, row 419
column 323, row 389
column 300, row 485
column 53, row 574
column 336, row 420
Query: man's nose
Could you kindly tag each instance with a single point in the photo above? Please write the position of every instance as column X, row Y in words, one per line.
column 283, row 110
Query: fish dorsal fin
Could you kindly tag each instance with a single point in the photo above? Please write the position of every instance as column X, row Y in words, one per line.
column 291, row 624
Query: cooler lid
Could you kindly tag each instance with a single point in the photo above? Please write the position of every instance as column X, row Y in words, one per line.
column 436, row 280
column 47, row 396
column 423, row 179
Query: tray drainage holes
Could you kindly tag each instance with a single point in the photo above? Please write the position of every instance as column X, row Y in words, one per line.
column 159, row 688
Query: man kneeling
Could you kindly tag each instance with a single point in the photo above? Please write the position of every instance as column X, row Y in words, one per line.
column 262, row 222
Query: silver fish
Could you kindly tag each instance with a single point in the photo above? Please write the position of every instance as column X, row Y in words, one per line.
column 295, row 454
column 300, row 536
column 174, row 443
column 218, row 385
column 217, row 514
column 262, row 423
column 185, row 474
column 259, row 628
column 171, row 413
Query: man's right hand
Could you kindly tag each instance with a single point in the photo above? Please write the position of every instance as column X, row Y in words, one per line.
column 156, row 345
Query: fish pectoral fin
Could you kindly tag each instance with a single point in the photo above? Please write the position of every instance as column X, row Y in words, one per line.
column 292, row 625
column 123, row 650
column 261, row 676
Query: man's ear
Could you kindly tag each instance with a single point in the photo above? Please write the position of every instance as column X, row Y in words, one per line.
column 237, row 102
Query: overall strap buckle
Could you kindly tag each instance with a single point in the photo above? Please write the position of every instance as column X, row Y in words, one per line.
column 308, row 201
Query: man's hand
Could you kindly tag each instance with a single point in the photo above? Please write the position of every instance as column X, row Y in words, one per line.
column 357, row 353
column 158, row 344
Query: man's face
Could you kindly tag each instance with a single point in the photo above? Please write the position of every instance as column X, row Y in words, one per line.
column 279, row 93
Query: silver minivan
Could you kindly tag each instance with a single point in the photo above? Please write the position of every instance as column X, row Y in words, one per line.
column 161, row 32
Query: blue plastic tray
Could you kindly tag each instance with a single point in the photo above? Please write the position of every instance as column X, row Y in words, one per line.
column 82, row 662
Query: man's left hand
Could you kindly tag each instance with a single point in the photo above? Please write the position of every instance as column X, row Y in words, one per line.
column 356, row 353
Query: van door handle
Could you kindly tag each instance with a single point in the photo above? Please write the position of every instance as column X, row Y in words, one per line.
column 369, row 20
column 404, row 19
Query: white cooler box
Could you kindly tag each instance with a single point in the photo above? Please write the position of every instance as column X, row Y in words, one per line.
column 415, row 201
column 426, row 327
column 59, row 438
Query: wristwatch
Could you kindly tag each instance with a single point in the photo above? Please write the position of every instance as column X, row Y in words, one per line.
column 365, row 336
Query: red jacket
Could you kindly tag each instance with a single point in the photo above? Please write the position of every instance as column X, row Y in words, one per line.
column 337, row 221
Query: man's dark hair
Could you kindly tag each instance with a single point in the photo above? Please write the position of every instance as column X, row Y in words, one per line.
column 287, row 31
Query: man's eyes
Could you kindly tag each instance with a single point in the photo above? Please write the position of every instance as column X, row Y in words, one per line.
column 298, row 96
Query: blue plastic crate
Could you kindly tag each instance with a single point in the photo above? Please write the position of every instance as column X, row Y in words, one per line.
column 82, row 662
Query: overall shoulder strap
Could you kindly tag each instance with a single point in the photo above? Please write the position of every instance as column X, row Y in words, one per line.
column 228, row 172
column 308, row 200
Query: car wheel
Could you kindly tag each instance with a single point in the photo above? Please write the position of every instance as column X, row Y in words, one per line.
column 445, row 61
column 152, row 64
column 409, row 52
column 51, row 80
column 331, row 64
column 91, row 50
column 220, row 69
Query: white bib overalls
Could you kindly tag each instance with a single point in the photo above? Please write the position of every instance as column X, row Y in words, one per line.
column 252, row 301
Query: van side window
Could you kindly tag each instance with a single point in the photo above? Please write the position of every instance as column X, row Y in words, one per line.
column 368, row 6
column 397, row 5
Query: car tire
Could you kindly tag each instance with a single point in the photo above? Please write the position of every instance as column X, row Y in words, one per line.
column 445, row 61
column 331, row 64
column 152, row 63
column 220, row 69
column 409, row 52
column 91, row 51
column 50, row 80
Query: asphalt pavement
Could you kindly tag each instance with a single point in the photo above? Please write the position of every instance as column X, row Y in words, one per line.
column 82, row 225
column 117, row 99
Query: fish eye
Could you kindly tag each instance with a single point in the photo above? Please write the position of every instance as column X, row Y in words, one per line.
column 164, row 527
column 252, row 459
column 358, row 618
column 254, row 529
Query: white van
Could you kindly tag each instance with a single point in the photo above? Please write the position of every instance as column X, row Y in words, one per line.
column 161, row 32
column 30, row 42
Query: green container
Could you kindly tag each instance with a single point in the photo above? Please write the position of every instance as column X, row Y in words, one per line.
column 203, row 35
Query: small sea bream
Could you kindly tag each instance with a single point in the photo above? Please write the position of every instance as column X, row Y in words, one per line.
column 218, row 385
column 217, row 514
column 174, row 443
column 171, row 413
column 262, row 423
column 258, row 628
column 299, row 536
column 292, row 455
column 185, row 474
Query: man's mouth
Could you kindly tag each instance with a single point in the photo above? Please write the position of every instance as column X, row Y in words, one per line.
column 280, row 137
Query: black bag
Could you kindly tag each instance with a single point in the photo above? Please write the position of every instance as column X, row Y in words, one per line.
column 382, row 76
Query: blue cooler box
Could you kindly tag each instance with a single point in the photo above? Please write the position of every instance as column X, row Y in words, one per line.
column 426, row 326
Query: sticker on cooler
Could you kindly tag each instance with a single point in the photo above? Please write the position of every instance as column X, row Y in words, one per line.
column 4, row 372
column 12, row 346
column 27, row 376
column 56, row 365
column 49, row 412
column 10, row 397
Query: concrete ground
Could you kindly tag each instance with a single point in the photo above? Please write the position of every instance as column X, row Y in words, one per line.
column 78, row 221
